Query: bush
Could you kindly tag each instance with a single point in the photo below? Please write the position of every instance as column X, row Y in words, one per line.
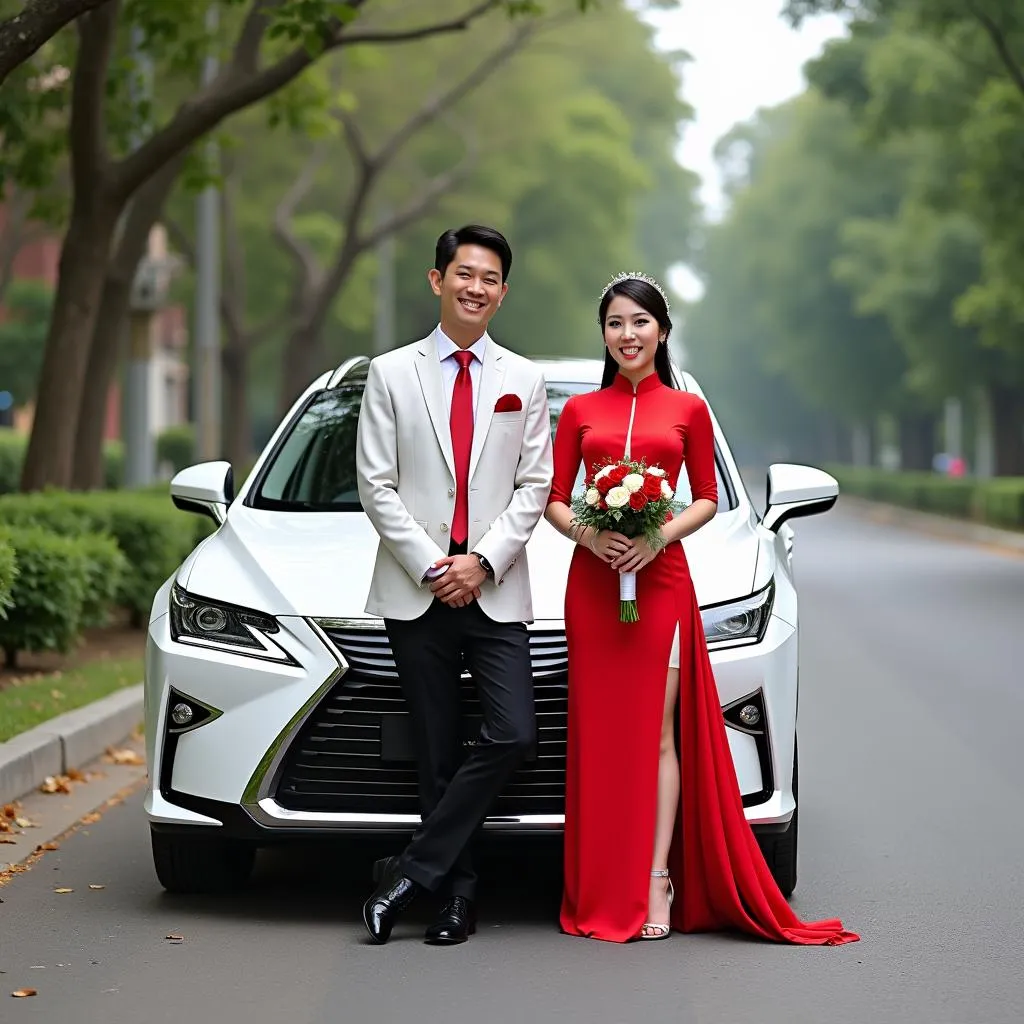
column 107, row 570
column 998, row 502
column 177, row 446
column 152, row 534
column 47, row 594
column 8, row 573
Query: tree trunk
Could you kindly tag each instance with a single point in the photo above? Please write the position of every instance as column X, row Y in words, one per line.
column 237, row 424
column 299, row 365
column 1008, row 427
column 917, row 441
column 107, row 344
column 83, row 262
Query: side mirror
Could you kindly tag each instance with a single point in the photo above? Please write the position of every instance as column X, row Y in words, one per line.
column 207, row 489
column 797, row 491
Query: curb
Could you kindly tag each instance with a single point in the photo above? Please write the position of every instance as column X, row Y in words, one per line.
column 68, row 741
column 941, row 526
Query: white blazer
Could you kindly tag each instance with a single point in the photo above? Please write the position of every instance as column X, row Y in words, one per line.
column 406, row 474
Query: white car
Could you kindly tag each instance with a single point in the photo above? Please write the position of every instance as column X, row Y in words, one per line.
column 273, row 708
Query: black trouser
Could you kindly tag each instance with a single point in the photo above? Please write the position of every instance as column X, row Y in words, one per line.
column 458, row 786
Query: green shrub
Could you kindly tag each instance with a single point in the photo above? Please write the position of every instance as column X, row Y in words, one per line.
column 998, row 502
column 151, row 533
column 8, row 573
column 48, row 593
column 177, row 446
column 107, row 570
column 12, row 456
column 113, row 465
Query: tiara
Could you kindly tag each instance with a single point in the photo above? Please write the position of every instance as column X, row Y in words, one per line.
column 636, row 275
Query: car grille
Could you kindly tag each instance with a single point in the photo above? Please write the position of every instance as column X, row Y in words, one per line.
column 336, row 764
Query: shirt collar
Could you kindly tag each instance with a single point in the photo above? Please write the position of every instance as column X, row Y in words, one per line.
column 447, row 348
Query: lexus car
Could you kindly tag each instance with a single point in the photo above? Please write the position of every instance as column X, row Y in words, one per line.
column 273, row 708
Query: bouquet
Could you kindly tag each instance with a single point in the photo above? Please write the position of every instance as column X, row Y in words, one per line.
column 633, row 499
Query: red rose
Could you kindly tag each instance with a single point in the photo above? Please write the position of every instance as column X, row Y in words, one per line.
column 604, row 483
column 637, row 500
column 618, row 474
column 652, row 487
column 603, row 505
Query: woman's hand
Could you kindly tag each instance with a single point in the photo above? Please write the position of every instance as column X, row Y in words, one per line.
column 638, row 554
column 608, row 545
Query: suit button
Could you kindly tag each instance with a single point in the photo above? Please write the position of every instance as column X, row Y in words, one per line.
column 444, row 527
column 451, row 492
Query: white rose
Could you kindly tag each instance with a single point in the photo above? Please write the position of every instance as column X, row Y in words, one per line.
column 633, row 482
column 656, row 471
column 593, row 496
column 604, row 472
column 617, row 497
column 666, row 491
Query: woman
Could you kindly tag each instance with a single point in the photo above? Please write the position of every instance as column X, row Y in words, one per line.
column 636, row 820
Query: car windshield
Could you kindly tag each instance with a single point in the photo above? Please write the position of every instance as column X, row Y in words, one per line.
column 313, row 466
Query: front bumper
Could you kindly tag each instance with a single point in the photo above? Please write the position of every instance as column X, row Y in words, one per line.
column 240, row 771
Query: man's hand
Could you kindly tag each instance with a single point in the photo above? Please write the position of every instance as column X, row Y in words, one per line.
column 460, row 585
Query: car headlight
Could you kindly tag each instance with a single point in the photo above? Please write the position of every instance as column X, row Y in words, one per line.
column 739, row 622
column 224, row 627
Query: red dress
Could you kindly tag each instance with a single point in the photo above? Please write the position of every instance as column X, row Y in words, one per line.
column 617, row 675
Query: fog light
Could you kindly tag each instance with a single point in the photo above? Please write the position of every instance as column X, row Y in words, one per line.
column 749, row 715
column 181, row 714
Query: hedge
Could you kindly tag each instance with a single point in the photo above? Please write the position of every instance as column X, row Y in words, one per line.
column 152, row 535
column 48, row 593
column 8, row 572
column 12, row 455
column 998, row 502
column 177, row 446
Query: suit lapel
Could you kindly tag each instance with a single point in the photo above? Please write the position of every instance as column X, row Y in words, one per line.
column 491, row 375
column 428, row 369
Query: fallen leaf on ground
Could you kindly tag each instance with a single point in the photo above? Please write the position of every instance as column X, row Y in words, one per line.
column 10, row 810
column 10, row 842
column 26, row 823
column 56, row 784
column 97, row 887
column 123, row 756
column 63, row 890
column 56, row 695
column 175, row 938
column 91, row 818
column 23, row 993
column 77, row 776
column 49, row 846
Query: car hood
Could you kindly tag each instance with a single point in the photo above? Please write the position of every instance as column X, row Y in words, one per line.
column 319, row 564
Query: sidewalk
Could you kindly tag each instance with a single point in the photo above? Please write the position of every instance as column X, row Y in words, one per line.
column 1005, row 541
column 68, row 741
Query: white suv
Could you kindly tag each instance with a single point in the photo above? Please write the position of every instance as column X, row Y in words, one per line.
column 273, row 708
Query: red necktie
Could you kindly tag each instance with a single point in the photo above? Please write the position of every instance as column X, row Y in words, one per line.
column 462, row 444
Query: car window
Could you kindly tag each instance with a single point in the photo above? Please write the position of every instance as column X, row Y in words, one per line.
column 313, row 469
column 313, row 466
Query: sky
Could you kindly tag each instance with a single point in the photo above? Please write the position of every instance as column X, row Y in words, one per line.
column 744, row 56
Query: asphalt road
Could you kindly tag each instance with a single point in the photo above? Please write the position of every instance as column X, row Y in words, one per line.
column 911, row 711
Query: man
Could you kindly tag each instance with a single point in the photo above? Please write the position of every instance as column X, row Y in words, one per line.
column 454, row 467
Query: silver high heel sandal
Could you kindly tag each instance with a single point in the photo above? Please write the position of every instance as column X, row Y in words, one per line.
column 659, row 931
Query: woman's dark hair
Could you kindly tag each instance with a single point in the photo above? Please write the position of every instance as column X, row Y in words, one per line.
column 647, row 296
column 472, row 234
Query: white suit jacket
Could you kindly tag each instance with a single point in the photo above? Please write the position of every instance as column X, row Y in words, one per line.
column 406, row 474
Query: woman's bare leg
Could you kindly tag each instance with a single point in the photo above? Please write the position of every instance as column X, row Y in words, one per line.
column 668, row 804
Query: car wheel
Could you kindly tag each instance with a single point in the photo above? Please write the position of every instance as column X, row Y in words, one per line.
column 201, row 864
column 780, row 848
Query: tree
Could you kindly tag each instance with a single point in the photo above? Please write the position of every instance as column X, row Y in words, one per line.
column 38, row 21
column 275, row 42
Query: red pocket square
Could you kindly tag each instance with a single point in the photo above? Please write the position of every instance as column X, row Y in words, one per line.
column 508, row 403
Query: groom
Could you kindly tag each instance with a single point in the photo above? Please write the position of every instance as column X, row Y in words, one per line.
column 454, row 467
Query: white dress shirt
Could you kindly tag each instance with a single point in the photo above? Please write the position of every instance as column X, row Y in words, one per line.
column 446, row 349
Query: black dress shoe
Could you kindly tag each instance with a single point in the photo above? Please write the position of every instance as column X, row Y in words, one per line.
column 455, row 923
column 393, row 894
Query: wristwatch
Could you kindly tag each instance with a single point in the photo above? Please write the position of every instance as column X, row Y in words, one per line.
column 484, row 564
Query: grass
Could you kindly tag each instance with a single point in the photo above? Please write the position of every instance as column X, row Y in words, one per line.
column 31, row 701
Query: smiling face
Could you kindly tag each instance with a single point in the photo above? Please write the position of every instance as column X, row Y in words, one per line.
column 471, row 290
column 632, row 336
